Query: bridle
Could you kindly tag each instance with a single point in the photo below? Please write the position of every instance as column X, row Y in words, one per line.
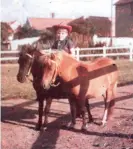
column 52, row 84
column 29, row 71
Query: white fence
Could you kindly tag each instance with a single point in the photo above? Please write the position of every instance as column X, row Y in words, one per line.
column 116, row 41
column 14, row 44
column 105, row 52
column 78, row 55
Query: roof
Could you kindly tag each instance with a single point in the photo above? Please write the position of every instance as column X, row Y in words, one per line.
column 15, row 25
column 99, row 18
column 92, row 24
column 121, row 2
column 43, row 23
column 7, row 27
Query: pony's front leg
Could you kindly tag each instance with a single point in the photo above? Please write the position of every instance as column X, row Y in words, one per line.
column 46, row 111
column 88, row 111
column 84, row 125
column 73, row 113
column 82, row 105
column 40, row 111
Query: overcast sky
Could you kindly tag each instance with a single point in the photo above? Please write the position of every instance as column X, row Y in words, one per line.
column 21, row 9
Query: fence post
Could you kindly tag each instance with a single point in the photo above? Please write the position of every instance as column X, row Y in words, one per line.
column 77, row 49
column 131, row 53
column 104, row 51
column 50, row 50
column 73, row 52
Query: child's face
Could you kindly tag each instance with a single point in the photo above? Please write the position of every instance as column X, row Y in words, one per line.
column 61, row 34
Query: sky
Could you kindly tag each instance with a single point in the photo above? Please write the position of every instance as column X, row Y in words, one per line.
column 21, row 9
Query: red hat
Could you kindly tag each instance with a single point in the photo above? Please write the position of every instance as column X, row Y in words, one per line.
column 69, row 28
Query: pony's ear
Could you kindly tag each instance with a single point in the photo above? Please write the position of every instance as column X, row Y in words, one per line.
column 52, row 56
column 56, row 57
column 20, row 47
column 28, row 45
column 40, row 52
column 34, row 45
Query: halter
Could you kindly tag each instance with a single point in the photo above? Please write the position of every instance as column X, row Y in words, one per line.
column 29, row 71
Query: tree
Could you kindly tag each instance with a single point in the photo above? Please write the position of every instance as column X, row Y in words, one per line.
column 24, row 32
column 87, row 27
column 5, row 31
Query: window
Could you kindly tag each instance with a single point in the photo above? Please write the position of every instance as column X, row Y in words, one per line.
column 131, row 6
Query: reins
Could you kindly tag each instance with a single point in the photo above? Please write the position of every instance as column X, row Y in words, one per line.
column 54, row 76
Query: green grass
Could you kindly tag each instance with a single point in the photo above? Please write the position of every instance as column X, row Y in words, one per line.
column 11, row 88
column 125, row 71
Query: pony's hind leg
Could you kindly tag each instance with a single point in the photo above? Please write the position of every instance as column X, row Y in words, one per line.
column 112, row 101
column 104, row 120
column 46, row 111
column 105, row 99
column 106, row 103
column 109, row 103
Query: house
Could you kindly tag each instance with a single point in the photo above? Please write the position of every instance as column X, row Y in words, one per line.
column 124, row 18
column 92, row 25
column 87, row 27
column 35, row 26
column 44, row 23
column 81, row 27
column 8, row 29
column 15, row 25
column 102, row 25
column 6, row 32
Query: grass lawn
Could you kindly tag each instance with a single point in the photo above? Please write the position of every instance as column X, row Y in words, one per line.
column 11, row 88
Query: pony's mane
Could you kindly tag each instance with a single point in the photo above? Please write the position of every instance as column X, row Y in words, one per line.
column 60, row 55
column 44, row 42
column 27, row 48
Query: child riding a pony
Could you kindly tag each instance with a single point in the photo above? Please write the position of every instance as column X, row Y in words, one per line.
column 62, row 39
column 63, row 42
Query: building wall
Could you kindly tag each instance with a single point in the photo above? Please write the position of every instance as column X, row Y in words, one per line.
column 124, row 20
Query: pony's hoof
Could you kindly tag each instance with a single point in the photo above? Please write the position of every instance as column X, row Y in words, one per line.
column 71, row 126
column 45, row 124
column 104, row 123
column 38, row 127
column 84, row 127
column 90, row 120
column 78, row 116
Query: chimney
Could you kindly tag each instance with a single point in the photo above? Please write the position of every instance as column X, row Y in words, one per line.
column 53, row 15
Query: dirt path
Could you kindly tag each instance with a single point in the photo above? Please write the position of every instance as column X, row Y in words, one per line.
column 19, row 117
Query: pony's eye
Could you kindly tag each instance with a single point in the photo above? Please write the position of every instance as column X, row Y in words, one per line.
column 20, row 54
column 49, row 67
column 18, row 61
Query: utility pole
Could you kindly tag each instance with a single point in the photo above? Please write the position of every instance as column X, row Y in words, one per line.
column 111, row 22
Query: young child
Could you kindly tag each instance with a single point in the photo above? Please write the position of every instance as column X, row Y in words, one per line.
column 62, row 39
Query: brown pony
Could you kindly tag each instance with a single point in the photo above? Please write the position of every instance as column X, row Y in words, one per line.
column 31, row 60
column 83, row 80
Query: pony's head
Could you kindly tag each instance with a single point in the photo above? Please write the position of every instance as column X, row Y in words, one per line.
column 25, row 61
column 51, row 69
column 28, row 53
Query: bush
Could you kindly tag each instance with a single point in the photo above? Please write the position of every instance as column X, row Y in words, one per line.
column 5, row 31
